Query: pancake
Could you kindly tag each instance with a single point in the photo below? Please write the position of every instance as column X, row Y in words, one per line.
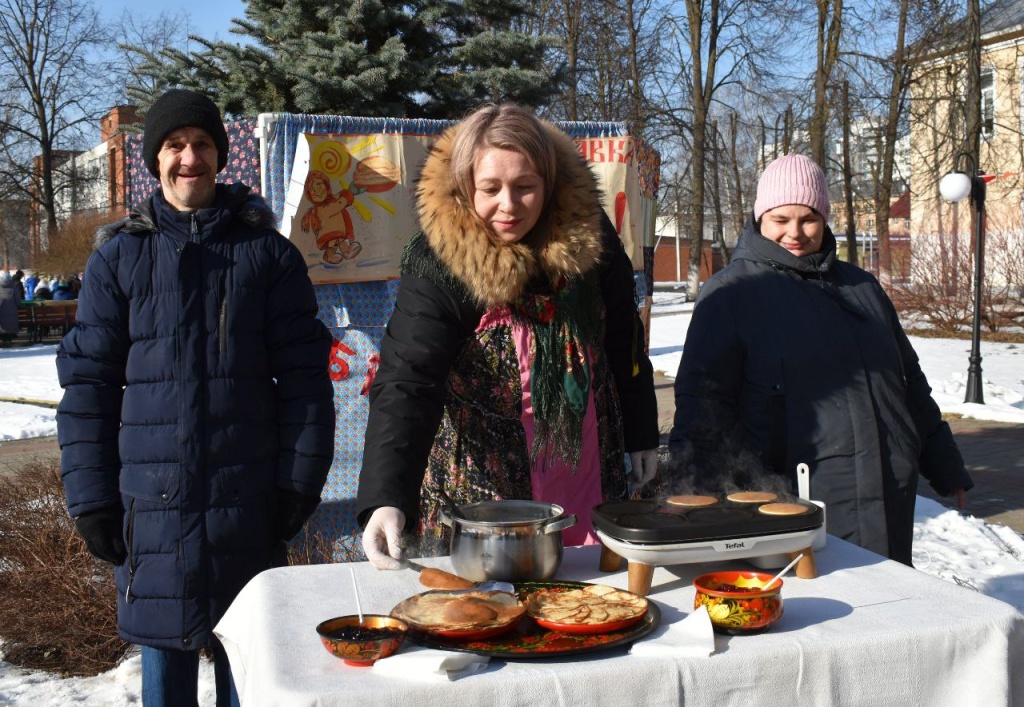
column 752, row 497
column 459, row 611
column 592, row 605
column 691, row 500
column 783, row 509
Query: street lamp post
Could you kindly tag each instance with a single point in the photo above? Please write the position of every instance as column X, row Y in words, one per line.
column 954, row 187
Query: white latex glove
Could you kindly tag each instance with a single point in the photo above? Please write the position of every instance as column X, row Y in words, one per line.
column 382, row 538
column 644, row 467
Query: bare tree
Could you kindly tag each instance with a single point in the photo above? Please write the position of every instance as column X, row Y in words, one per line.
column 716, row 185
column 829, row 34
column 52, row 93
column 893, row 116
column 607, row 52
column 716, row 45
column 572, row 13
column 139, row 41
column 739, row 213
column 631, row 13
column 851, row 223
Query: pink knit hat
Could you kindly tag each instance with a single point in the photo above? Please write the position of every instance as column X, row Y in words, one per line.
column 792, row 179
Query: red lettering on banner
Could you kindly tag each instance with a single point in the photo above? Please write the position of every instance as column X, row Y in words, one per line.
column 337, row 366
column 606, row 150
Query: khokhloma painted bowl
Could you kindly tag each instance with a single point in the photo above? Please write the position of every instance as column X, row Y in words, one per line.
column 736, row 602
column 362, row 644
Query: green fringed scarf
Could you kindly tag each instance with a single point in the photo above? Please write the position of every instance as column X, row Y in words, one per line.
column 565, row 321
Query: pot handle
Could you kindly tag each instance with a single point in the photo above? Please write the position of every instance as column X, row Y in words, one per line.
column 560, row 524
column 442, row 515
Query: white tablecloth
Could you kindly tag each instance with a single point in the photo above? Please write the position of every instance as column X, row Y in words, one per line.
column 867, row 631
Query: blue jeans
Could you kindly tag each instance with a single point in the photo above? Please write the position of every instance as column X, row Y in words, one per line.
column 170, row 678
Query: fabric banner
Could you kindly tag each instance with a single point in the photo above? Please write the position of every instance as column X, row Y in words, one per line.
column 350, row 204
column 356, row 316
column 350, row 200
column 613, row 161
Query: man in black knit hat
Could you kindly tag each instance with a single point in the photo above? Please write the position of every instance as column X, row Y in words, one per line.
column 197, row 423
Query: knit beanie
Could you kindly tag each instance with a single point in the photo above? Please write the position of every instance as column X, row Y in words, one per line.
column 179, row 108
column 792, row 179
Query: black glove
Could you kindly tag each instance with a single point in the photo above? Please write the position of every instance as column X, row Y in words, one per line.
column 101, row 531
column 293, row 509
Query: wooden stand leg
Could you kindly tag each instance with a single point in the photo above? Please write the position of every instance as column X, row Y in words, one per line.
column 640, row 576
column 610, row 561
column 806, row 568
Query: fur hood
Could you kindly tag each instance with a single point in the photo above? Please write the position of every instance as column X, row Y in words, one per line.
column 249, row 208
column 496, row 273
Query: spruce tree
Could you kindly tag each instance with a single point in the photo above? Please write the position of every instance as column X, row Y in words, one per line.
column 483, row 58
column 427, row 58
column 303, row 56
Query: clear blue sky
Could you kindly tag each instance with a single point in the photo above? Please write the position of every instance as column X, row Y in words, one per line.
column 207, row 18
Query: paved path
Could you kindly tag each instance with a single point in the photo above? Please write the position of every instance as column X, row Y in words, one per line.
column 993, row 451
column 15, row 453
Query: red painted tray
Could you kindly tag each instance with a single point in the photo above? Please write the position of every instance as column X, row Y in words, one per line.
column 529, row 640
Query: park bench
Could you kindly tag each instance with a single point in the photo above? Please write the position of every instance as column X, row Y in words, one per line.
column 46, row 319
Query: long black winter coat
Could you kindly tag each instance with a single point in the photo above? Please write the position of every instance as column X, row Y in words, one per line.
column 196, row 387
column 791, row 360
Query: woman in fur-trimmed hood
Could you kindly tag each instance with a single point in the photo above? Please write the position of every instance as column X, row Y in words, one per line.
column 513, row 365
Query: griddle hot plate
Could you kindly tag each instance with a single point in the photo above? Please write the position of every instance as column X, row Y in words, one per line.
column 654, row 521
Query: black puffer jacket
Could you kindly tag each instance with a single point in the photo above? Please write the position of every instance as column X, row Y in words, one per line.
column 196, row 390
column 791, row 360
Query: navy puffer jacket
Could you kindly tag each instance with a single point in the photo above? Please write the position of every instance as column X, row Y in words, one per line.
column 196, row 387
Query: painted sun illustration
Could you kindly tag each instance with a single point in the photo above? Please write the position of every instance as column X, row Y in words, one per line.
column 327, row 217
column 372, row 174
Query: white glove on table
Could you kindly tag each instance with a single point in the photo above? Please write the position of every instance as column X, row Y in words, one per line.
column 644, row 467
column 382, row 538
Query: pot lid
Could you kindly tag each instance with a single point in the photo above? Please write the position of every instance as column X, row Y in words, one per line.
column 509, row 512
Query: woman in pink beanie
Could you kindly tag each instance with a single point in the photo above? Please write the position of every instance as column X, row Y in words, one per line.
column 793, row 356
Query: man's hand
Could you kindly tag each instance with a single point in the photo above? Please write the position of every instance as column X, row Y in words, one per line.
column 293, row 510
column 382, row 538
column 101, row 531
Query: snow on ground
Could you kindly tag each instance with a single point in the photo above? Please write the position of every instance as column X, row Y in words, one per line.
column 944, row 362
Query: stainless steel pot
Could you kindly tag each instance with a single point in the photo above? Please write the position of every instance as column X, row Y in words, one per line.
column 509, row 541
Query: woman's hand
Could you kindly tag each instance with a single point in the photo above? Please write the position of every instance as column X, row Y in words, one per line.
column 382, row 538
column 644, row 467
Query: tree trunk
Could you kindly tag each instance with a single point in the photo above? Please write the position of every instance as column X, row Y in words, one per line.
column 830, row 29
column 740, row 216
column 572, row 10
column 716, row 156
column 696, row 206
column 851, row 224
column 787, row 131
column 764, row 141
column 973, row 98
column 897, row 91
column 636, row 118
column 702, row 89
